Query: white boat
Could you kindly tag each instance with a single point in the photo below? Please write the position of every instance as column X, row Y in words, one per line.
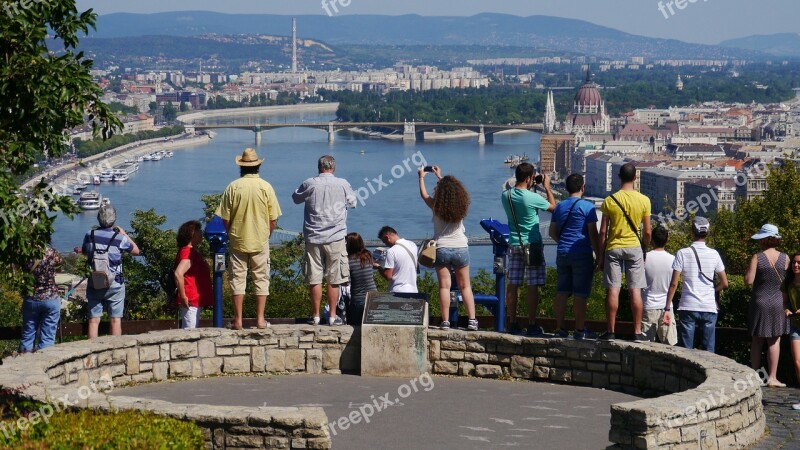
column 156, row 156
column 96, row 180
column 120, row 175
column 90, row 200
column 140, row 159
column 147, row 158
column 169, row 154
column 85, row 182
column 107, row 175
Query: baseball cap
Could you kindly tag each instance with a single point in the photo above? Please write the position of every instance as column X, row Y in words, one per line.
column 701, row 225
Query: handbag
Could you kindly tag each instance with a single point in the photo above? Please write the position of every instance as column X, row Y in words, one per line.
column 533, row 253
column 667, row 334
column 427, row 253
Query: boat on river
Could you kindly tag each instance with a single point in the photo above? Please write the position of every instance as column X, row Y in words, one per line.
column 90, row 200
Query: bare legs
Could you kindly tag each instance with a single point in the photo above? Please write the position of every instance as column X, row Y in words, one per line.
column 115, row 327
column 578, row 308
column 612, row 306
column 464, row 285
column 773, row 354
column 316, row 299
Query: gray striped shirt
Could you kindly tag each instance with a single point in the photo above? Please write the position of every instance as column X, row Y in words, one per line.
column 327, row 199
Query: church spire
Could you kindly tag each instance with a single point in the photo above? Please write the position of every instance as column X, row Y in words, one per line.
column 550, row 114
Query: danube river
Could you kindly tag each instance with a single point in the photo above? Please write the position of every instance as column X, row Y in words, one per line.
column 383, row 173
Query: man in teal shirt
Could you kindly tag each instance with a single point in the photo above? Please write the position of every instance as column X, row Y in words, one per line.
column 523, row 223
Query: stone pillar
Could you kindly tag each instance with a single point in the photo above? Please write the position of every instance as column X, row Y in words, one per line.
column 409, row 132
column 481, row 136
column 331, row 133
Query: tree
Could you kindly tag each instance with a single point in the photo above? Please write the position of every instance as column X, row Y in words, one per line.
column 184, row 106
column 43, row 92
column 170, row 113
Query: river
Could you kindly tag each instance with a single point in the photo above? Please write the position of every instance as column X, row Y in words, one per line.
column 383, row 173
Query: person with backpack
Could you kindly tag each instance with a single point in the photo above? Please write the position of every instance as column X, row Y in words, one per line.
column 103, row 247
column 192, row 275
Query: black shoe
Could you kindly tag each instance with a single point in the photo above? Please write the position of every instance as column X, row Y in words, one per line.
column 641, row 337
column 607, row 336
column 514, row 329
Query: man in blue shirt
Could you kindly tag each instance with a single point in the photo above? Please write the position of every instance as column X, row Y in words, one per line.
column 574, row 227
column 523, row 224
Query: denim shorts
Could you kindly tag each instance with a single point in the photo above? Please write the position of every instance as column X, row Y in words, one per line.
column 794, row 333
column 114, row 297
column 575, row 274
column 452, row 257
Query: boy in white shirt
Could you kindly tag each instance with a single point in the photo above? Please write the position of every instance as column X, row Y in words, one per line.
column 658, row 273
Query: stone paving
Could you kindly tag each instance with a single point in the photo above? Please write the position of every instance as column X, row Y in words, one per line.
column 782, row 421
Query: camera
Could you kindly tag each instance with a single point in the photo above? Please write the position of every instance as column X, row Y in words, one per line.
column 379, row 255
column 428, row 169
column 538, row 179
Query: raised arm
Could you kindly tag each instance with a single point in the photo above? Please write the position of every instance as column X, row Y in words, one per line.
column 423, row 192
column 548, row 190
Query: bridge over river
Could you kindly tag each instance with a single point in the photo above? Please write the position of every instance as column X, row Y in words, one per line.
column 412, row 131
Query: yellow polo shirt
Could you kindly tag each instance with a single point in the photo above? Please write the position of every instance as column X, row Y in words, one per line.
column 249, row 204
column 620, row 234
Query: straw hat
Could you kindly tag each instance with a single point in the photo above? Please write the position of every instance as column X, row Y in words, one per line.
column 249, row 158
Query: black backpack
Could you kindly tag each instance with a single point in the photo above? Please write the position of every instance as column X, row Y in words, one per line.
column 169, row 286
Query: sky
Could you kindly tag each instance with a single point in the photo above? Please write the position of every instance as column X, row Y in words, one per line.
column 700, row 21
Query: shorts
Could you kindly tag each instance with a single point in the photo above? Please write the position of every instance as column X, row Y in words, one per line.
column 794, row 333
column 650, row 321
column 633, row 260
column 113, row 297
column 452, row 257
column 537, row 275
column 575, row 274
column 332, row 258
column 259, row 266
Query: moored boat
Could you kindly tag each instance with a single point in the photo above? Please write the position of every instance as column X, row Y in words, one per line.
column 90, row 200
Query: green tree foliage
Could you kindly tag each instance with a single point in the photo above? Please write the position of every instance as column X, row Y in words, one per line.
column 95, row 146
column 169, row 112
column 43, row 92
column 780, row 206
column 123, row 109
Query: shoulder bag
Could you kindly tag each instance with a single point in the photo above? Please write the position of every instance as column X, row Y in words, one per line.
column 533, row 254
column 702, row 275
column 633, row 226
column 427, row 253
column 411, row 255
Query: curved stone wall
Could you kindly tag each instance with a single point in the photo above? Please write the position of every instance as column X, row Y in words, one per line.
column 693, row 399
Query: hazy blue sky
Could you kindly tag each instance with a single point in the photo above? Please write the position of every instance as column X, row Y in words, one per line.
column 704, row 21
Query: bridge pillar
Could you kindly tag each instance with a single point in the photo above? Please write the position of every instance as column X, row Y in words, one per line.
column 409, row 132
column 331, row 133
column 481, row 136
column 258, row 137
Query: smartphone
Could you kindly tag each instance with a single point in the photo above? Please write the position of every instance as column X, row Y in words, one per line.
column 428, row 169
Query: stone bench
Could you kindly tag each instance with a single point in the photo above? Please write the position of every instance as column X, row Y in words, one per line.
column 693, row 399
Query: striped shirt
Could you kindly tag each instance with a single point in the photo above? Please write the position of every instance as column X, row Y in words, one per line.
column 102, row 237
column 698, row 292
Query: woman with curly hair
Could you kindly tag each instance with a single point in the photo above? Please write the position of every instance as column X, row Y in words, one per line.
column 192, row 275
column 449, row 204
column 791, row 303
column 362, row 279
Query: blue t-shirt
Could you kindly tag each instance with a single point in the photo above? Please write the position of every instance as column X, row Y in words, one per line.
column 574, row 237
column 102, row 237
column 527, row 205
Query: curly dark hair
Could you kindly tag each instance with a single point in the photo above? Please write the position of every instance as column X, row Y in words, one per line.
column 356, row 250
column 186, row 231
column 450, row 200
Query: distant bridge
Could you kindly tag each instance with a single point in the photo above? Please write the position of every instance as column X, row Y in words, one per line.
column 412, row 131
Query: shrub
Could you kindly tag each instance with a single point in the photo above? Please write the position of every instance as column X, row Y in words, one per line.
column 98, row 430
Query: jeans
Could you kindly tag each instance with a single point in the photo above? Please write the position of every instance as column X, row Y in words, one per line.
column 43, row 315
column 690, row 321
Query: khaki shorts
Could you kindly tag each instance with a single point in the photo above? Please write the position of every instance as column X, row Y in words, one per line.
column 332, row 258
column 650, row 318
column 633, row 260
column 259, row 267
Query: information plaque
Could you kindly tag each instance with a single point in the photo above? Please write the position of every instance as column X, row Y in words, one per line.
column 394, row 309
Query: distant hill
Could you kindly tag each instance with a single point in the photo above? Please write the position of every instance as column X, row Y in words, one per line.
column 543, row 32
column 784, row 45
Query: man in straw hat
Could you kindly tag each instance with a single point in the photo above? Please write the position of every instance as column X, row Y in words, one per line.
column 250, row 211
column 326, row 198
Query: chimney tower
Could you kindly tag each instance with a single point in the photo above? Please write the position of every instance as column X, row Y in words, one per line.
column 294, row 44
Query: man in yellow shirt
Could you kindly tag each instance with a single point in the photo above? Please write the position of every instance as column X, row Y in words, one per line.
column 250, row 211
column 621, row 246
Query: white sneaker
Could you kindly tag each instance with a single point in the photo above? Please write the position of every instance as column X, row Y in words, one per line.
column 796, row 407
column 313, row 320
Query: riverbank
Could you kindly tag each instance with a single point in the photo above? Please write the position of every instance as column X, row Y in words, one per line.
column 70, row 173
column 259, row 110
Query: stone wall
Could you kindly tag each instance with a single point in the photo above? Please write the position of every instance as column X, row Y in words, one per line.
column 694, row 399
column 76, row 374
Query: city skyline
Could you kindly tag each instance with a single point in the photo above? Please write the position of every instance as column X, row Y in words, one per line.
column 698, row 21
